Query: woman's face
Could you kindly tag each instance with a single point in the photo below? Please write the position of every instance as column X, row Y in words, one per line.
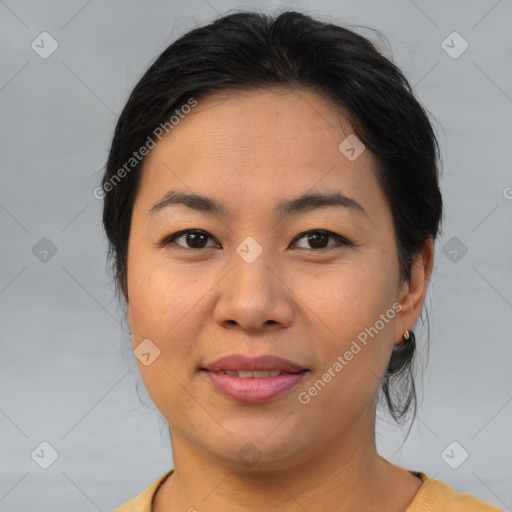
column 248, row 284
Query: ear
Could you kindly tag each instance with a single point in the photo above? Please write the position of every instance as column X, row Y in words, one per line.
column 413, row 292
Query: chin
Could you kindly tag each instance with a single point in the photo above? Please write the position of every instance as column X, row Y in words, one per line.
column 261, row 451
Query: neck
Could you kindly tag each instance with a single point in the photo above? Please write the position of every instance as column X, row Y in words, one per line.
column 344, row 474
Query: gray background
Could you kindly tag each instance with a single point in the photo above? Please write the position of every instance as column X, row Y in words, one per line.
column 68, row 375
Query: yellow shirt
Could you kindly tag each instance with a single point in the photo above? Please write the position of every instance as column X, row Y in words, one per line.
column 432, row 496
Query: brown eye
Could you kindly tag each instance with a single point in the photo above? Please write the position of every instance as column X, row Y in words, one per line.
column 190, row 239
column 196, row 239
column 318, row 239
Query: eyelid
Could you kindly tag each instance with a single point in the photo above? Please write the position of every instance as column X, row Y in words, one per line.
column 341, row 240
column 171, row 238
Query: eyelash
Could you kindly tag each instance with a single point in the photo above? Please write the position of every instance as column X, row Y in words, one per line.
column 341, row 241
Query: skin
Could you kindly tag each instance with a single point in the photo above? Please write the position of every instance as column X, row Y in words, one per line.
column 251, row 150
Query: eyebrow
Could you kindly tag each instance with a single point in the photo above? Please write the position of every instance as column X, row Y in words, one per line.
column 304, row 203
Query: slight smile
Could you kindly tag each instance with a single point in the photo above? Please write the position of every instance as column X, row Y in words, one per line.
column 254, row 380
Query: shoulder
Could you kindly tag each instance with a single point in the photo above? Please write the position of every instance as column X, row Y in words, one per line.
column 432, row 496
column 142, row 502
column 436, row 496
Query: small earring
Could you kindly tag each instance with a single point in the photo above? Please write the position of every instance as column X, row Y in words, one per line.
column 407, row 337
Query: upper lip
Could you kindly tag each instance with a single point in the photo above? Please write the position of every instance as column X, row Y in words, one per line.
column 247, row 363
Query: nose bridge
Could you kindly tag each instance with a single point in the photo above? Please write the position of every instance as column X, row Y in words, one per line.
column 252, row 295
column 254, row 266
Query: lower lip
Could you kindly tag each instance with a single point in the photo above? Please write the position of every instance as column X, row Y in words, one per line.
column 255, row 391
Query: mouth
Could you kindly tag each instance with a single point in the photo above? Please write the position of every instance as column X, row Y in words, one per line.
column 254, row 380
column 241, row 363
column 259, row 374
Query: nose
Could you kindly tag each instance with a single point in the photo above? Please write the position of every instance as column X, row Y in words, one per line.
column 254, row 297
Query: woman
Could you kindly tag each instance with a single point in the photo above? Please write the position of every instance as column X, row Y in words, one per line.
column 271, row 201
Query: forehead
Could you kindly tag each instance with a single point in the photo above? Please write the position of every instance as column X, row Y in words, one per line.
column 277, row 122
column 238, row 145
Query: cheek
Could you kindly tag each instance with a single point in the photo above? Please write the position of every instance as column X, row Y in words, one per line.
column 351, row 296
column 158, row 296
column 352, row 343
column 163, row 306
column 349, row 303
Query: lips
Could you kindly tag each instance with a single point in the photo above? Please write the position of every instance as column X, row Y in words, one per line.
column 254, row 380
column 243, row 363
column 245, row 374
